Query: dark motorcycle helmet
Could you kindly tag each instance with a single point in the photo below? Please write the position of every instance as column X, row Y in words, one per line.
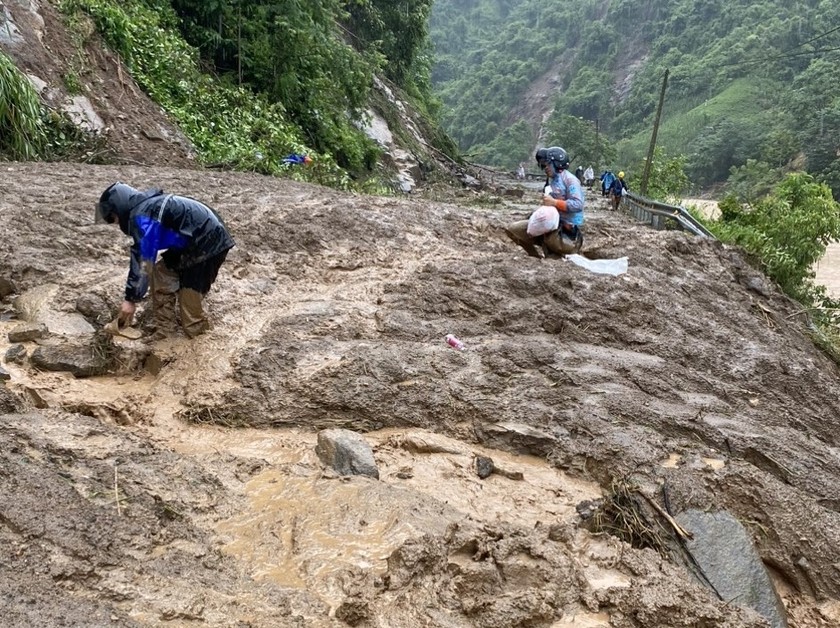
column 115, row 205
column 554, row 155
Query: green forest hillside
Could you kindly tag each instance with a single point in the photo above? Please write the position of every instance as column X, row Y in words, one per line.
column 246, row 82
column 752, row 84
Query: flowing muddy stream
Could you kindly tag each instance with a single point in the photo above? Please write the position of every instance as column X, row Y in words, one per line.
column 303, row 529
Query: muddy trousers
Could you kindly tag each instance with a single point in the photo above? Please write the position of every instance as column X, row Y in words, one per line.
column 518, row 232
column 187, row 287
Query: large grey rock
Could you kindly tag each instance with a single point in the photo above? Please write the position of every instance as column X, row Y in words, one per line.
column 724, row 551
column 80, row 110
column 346, row 452
column 10, row 34
column 80, row 360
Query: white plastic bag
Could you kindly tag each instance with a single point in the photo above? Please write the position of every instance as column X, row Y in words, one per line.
column 612, row 267
column 543, row 220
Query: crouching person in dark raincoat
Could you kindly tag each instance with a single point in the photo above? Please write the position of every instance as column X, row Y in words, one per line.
column 194, row 242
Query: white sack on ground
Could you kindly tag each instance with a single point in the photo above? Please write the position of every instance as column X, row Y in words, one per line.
column 601, row 266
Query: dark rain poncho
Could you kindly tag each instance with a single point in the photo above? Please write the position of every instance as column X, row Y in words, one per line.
column 158, row 221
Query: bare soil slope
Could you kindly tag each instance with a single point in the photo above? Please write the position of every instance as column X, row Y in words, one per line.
column 134, row 130
column 181, row 485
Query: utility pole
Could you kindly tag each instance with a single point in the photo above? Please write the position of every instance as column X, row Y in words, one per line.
column 239, row 40
column 646, row 176
column 597, row 143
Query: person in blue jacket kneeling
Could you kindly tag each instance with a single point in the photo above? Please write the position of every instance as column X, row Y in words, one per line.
column 563, row 191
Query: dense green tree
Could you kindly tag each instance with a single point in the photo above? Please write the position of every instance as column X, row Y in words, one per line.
column 667, row 179
column 753, row 180
column 581, row 140
column 786, row 231
column 398, row 30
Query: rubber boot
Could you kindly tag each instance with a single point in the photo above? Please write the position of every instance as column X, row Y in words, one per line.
column 192, row 313
column 518, row 232
column 165, row 285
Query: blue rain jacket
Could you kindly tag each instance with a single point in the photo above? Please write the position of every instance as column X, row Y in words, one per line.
column 566, row 186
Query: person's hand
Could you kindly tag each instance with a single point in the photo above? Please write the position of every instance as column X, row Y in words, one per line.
column 560, row 204
column 126, row 315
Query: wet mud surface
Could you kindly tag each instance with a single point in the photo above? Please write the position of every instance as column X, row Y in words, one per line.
column 182, row 485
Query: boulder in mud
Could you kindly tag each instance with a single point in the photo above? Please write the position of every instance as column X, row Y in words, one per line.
column 346, row 452
column 94, row 308
column 82, row 360
column 723, row 550
column 26, row 332
column 484, row 466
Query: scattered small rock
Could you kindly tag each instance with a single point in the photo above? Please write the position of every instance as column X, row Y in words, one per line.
column 587, row 508
column 470, row 181
column 346, row 452
column 561, row 533
column 758, row 286
column 510, row 475
column 353, row 611
column 4, row 374
column 7, row 287
column 16, row 354
column 9, row 401
column 484, row 466
column 27, row 332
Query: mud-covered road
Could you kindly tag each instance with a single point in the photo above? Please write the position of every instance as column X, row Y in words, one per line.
column 181, row 488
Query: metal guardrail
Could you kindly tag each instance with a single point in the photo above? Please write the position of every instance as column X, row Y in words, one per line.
column 661, row 216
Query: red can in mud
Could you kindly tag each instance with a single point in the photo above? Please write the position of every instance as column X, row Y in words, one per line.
column 453, row 342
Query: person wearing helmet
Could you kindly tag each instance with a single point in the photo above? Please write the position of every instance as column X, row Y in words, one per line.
column 563, row 191
column 194, row 241
column 617, row 188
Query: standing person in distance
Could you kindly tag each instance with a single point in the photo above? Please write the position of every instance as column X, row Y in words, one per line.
column 588, row 177
column 617, row 190
column 563, row 192
column 607, row 178
column 194, row 241
column 579, row 173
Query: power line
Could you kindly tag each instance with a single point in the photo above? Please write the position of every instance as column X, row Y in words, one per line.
column 786, row 55
column 828, row 32
column 790, row 53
